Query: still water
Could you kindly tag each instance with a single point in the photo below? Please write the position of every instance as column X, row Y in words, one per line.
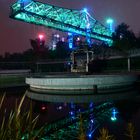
column 128, row 110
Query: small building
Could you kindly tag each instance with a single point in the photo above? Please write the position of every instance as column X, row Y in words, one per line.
column 81, row 59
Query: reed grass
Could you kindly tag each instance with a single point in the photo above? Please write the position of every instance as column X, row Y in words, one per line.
column 130, row 131
column 104, row 135
column 19, row 125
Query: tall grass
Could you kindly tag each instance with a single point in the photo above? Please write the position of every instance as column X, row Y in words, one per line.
column 130, row 131
column 18, row 125
column 104, row 135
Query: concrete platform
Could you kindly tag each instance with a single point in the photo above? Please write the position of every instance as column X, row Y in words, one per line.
column 81, row 88
column 80, row 82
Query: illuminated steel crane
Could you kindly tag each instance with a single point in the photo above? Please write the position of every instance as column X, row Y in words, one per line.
column 67, row 20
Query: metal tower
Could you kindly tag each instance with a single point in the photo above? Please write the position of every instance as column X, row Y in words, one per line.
column 59, row 18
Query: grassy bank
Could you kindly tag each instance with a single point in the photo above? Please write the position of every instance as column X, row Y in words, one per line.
column 11, row 80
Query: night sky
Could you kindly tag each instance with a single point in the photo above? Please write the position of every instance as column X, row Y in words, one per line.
column 15, row 35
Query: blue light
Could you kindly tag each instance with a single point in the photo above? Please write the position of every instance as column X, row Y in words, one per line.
column 79, row 110
column 114, row 113
column 70, row 45
column 88, row 25
column 89, row 135
column 69, row 33
column 69, row 63
column 70, row 40
column 91, row 105
column 22, row 1
column 92, row 120
column 71, row 113
column 85, row 10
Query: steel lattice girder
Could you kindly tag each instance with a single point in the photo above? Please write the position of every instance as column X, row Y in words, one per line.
column 60, row 18
column 73, row 130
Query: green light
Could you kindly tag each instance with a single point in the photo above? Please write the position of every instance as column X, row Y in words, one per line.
column 113, row 119
column 109, row 21
column 18, row 16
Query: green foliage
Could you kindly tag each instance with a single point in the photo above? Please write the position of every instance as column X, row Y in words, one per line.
column 18, row 125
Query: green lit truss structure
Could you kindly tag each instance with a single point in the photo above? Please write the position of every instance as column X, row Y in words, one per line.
column 67, row 20
column 70, row 128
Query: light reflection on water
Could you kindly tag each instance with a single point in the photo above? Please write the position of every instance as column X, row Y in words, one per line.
column 129, row 110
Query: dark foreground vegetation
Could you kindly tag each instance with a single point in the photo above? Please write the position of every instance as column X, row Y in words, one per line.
column 20, row 124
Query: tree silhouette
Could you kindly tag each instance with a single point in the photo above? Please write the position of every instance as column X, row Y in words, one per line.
column 62, row 50
column 138, row 41
column 123, row 38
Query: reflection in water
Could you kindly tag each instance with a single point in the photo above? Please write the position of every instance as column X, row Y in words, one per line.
column 98, row 116
column 81, row 96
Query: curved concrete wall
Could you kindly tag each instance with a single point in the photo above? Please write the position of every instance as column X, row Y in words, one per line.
column 82, row 82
